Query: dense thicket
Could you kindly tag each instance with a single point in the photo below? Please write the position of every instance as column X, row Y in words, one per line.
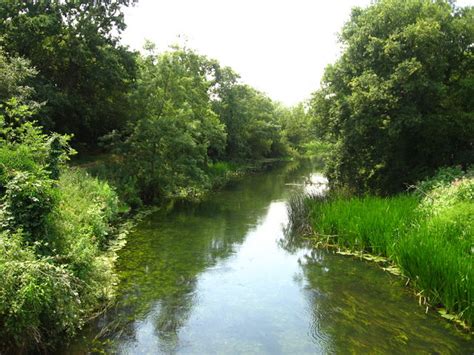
column 251, row 121
column 398, row 103
column 84, row 74
column 55, row 269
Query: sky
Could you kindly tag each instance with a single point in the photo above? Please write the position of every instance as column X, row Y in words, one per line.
column 280, row 47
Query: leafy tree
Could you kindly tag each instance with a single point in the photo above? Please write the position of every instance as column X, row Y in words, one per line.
column 84, row 74
column 27, row 160
column 54, row 226
column 167, row 146
column 250, row 119
column 398, row 101
column 296, row 126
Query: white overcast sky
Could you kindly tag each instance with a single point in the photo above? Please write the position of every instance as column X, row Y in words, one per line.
column 280, row 47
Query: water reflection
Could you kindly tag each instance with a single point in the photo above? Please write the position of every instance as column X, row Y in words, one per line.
column 222, row 277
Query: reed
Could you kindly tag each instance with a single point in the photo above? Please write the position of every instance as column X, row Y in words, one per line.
column 429, row 238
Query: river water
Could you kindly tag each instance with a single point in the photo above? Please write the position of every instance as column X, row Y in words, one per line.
column 223, row 277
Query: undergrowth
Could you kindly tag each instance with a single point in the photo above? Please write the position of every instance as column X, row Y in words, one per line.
column 57, row 275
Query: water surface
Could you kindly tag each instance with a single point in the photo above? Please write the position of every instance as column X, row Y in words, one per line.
column 222, row 277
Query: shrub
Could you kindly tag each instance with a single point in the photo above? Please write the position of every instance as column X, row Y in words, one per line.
column 55, row 267
column 15, row 160
column 26, row 205
column 86, row 207
column 38, row 298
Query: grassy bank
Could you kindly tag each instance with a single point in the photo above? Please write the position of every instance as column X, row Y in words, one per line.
column 428, row 235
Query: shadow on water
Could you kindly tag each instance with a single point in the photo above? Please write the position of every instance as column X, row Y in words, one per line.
column 223, row 277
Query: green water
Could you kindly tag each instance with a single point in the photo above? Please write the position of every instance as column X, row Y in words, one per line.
column 221, row 277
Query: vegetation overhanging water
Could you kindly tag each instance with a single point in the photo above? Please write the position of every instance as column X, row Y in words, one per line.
column 222, row 276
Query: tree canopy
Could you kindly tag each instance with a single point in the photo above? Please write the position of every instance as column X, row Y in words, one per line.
column 84, row 74
column 397, row 103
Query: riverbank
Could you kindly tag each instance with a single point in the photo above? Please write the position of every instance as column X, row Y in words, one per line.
column 55, row 286
column 223, row 276
column 108, row 167
column 428, row 235
column 56, row 262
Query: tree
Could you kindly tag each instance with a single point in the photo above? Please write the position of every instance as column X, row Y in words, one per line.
column 167, row 146
column 251, row 122
column 295, row 125
column 398, row 101
column 84, row 74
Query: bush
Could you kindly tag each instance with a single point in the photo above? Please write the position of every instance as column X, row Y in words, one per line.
column 53, row 278
column 443, row 177
column 38, row 298
column 86, row 207
column 55, row 267
column 15, row 160
column 27, row 203
column 82, row 229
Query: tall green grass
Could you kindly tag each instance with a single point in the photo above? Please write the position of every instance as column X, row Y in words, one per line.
column 430, row 238
column 372, row 224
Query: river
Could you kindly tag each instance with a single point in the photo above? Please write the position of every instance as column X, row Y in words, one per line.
column 223, row 277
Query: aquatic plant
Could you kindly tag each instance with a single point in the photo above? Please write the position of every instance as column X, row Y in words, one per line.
column 428, row 235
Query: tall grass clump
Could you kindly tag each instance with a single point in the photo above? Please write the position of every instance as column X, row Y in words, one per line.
column 298, row 208
column 220, row 172
column 428, row 234
column 371, row 224
column 437, row 253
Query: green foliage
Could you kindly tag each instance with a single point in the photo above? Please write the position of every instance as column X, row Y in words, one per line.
column 367, row 223
column 443, row 178
column 317, row 149
column 27, row 203
column 251, row 122
column 55, row 269
column 14, row 73
column 398, row 101
column 297, row 130
column 85, row 209
column 54, row 277
column 166, row 148
column 42, row 297
column 17, row 159
column 38, row 297
column 84, row 73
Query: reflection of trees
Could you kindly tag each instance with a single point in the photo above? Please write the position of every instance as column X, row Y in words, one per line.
column 160, row 265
